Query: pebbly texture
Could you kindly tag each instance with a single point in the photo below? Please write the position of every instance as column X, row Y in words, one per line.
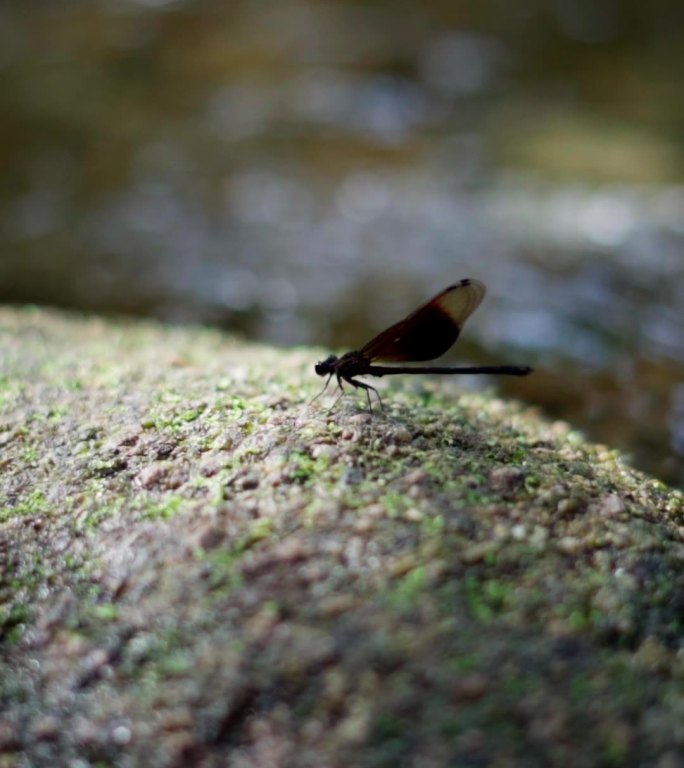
column 197, row 568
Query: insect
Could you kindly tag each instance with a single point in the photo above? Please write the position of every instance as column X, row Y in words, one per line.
column 425, row 334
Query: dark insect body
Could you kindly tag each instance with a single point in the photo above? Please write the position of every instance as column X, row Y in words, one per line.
column 424, row 335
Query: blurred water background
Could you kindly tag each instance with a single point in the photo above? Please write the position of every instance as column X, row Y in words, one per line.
column 307, row 171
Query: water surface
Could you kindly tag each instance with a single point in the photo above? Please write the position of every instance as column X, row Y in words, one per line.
column 308, row 172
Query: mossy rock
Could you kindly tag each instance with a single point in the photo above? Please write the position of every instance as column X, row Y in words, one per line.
column 200, row 568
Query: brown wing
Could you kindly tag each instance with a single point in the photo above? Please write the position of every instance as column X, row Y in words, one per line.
column 428, row 332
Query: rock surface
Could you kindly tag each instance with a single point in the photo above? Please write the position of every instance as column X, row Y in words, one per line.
column 198, row 568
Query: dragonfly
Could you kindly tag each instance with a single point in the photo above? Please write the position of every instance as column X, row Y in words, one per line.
column 427, row 333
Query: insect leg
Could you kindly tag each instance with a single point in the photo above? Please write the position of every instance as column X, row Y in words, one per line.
column 323, row 390
column 337, row 400
column 368, row 388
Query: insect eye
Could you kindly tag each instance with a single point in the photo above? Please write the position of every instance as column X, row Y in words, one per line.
column 323, row 367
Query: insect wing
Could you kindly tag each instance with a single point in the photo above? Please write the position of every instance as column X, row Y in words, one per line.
column 432, row 329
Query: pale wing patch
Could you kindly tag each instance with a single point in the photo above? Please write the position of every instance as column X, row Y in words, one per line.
column 431, row 329
column 459, row 301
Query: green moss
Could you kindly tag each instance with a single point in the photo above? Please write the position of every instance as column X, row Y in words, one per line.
column 34, row 504
column 30, row 454
column 105, row 612
column 432, row 526
column 99, row 512
column 406, row 591
column 394, row 503
column 13, row 621
column 258, row 530
column 467, row 662
column 162, row 509
column 486, row 598
column 176, row 663
column 58, row 412
column 615, row 751
column 401, row 617
column 224, row 575
column 302, row 466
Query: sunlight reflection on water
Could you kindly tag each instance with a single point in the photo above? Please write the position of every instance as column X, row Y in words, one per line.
column 309, row 172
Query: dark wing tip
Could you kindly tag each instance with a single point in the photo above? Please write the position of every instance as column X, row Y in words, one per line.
column 465, row 282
